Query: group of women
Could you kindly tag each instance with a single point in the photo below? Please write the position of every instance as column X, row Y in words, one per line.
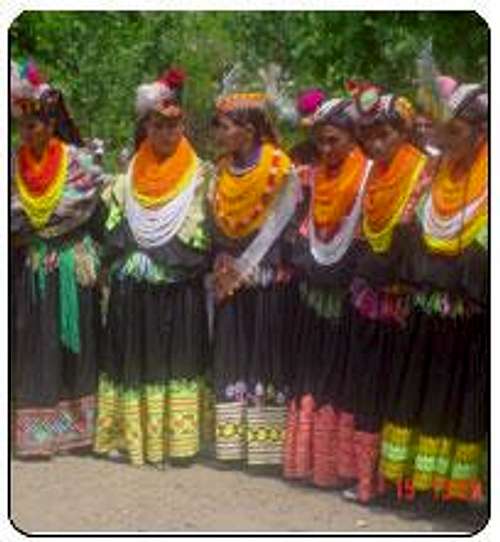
column 325, row 310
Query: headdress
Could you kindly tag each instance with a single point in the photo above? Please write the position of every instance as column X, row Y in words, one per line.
column 442, row 97
column 468, row 101
column 163, row 95
column 300, row 111
column 241, row 100
column 29, row 90
column 307, row 103
column 309, row 100
column 337, row 111
column 372, row 104
column 230, row 99
column 31, row 94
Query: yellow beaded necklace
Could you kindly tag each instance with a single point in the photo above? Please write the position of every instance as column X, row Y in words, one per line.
column 242, row 202
column 39, row 207
column 457, row 209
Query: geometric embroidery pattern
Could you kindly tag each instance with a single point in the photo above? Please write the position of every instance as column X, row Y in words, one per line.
column 229, row 431
column 265, row 435
column 151, row 423
column 45, row 431
column 255, row 433
column 437, row 464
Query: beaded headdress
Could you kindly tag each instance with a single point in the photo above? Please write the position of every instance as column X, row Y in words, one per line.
column 231, row 99
column 31, row 94
column 29, row 90
column 339, row 111
column 373, row 104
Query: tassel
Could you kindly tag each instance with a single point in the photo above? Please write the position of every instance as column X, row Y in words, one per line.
column 69, row 320
column 40, row 257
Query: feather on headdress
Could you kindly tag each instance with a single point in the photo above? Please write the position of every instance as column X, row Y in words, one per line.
column 432, row 92
column 163, row 95
column 230, row 98
column 27, row 87
column 442, row 97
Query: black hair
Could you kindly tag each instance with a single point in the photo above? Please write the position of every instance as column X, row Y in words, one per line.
column 304, row 152
column 140, row 132
column 53, row 110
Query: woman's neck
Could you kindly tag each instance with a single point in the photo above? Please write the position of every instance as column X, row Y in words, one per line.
column 247, row 156
column 162, row 155
column 333, row 168
column 460, row 162
column 37, row 151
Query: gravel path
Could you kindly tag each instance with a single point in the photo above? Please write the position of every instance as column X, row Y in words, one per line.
column 83, row 493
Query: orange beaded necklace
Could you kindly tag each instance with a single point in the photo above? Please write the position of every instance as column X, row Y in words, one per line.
column 154, row 183
column 334, row 195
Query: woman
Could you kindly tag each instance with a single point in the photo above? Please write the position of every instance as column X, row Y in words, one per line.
column 434, row 434
column 54, row 210
column 155, row 350
column 253, row 199
column 326, row 252
column 379, row 307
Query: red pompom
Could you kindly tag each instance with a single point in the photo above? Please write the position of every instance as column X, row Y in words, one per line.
column 174, row 77
column 351, row 86
column 355, row 88
column 33, row 74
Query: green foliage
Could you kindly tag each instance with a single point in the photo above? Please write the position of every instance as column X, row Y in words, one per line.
column 99, row 58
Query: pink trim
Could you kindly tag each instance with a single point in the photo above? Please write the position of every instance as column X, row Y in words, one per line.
column 325, row 438
column 345, row 453
column 290, row 443
column 367, row 450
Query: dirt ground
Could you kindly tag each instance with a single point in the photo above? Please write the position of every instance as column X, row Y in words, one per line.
column 85, row 493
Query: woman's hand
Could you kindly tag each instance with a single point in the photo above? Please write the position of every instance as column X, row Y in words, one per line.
column 227, row 277
column 102, row 277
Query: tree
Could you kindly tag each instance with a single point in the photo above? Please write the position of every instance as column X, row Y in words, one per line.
column 99, row 58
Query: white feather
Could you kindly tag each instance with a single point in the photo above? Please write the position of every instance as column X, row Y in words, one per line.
column 150, row 96
column 231, row 80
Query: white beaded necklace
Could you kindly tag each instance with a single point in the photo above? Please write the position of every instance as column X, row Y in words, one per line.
column 448, row 228
column 154, row 227
column 333, row 251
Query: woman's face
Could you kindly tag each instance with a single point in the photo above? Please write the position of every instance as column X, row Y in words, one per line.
column 230, row 136
column 333, row 144
column 455, row 137
column 425, row 131
column 35, row 133
column 164, row 134
column 381, row 141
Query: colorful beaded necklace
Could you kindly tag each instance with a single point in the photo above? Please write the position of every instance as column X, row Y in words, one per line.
column 242, row 202
column 387, row 195
column 40, row 184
